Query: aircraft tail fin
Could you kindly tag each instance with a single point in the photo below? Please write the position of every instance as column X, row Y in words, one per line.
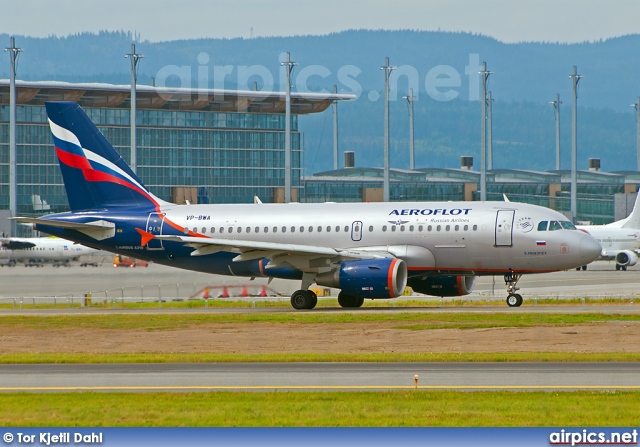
column 633, row 221
column 95, row 175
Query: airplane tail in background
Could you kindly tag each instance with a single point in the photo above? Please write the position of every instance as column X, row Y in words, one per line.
column 95, row 175
column 633, row 221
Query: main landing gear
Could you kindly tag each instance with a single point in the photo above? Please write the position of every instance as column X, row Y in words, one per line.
column 621, row 267
column 511, row 279
column 304, row 299
column 345, row 300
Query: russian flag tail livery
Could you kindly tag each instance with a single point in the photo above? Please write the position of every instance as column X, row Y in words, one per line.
column 95, row 175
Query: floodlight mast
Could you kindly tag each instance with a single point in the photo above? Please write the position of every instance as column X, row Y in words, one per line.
column 412, row 154
column 14, row 52
column 483, row 137
column 556, row 107
column 387, row 74
column 335, row 130
column 135, row 58
column 489, row 131
column 287, row 129
column 575, row 79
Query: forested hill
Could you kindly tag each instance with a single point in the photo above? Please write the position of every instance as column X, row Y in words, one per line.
column 440, row 66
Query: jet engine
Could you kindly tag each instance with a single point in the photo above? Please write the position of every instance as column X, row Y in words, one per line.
column 626, row 258
column 443, row 285
column 370, row 278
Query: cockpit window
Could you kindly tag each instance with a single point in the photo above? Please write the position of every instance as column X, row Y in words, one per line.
column 567, row 225
column 554, row 225
column 542, row 226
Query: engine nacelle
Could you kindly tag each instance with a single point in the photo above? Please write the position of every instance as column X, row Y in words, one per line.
column 626, row 258
column 443, row 285
column 369, row 278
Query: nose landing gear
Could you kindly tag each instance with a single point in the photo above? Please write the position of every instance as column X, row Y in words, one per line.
column 511, row 279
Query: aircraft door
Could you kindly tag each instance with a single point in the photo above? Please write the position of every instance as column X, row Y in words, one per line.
column 356, row 231
column 154, row 226
column 504, row 228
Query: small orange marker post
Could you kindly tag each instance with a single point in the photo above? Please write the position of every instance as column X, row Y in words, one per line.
column 415, row 380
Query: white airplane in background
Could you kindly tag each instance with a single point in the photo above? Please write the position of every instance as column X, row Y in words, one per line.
column 620, row 240
column 367, row 250
column 41, row 248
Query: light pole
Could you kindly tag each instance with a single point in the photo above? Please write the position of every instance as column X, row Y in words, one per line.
column 134, row 57
column 483, row 137
column 412, row 155
column 387, row 74
column 637, row 107
column 556, row 107
column 287, row 129
column 13, row 179
column 335, row 130
column 575, row 79
column 489, row 131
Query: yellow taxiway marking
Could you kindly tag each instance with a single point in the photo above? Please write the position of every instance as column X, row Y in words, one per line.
column 321, row 387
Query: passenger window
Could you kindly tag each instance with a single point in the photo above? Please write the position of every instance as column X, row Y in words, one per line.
column 438, row 228
column 475, row 228
column 284, row 229
column 370, row 228
column 429, row 228
column 301, row 229
column 457, row 227
column 393, row 228
column 229, row 230
column 410, row 227
column 221, row 230
column 319, row 229
column 554, row 225
column 204, row 230
column 466, row 228
column 239, row 230
column 328, row 229
column 186, row 230
column 248, row 229
column 266, row 229
column 401, row 227
column 384, row 228
column 195, row 230
column 542, row 226
column 293, row 229
column 213, row 230
column 257, row 229
column 346, row 228
column 337, row 229
column 310, row 229
column 448, row 227
column 420, row 228
column 275, row 229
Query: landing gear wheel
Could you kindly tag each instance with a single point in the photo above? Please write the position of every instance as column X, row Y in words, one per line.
column 624, row 268
column 584, row 267
column 303, row 299
column 349, row 300
column 360, row 301
column 514, row 300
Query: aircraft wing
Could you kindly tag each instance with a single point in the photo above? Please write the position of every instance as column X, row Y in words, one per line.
column 99, row 229
column 303, row 257
column 16, row 244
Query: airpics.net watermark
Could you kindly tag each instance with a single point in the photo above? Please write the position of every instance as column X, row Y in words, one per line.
column 441, row 82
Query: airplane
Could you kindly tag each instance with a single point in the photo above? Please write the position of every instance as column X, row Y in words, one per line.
column 620, row 240
column 45, row 248
column 367, row 250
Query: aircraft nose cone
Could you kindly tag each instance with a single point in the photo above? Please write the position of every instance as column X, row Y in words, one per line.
column 589, row 249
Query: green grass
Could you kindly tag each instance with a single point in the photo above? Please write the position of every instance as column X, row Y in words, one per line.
column 403, row 320
column 312, row 409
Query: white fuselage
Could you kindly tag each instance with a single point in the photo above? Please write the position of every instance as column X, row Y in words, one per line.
column 613, row 240
column 471, row 237
column 45, row 248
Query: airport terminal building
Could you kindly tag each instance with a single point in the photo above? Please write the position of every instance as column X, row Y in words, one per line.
column 214, row 146
column 204, row 146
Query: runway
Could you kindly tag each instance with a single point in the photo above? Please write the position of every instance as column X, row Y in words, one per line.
column 319, row 377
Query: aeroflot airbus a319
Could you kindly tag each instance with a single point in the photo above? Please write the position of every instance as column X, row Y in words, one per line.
column 367, row 250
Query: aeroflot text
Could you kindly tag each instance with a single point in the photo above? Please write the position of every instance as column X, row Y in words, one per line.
column 431, row 212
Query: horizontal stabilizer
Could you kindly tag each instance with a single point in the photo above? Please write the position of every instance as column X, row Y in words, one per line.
column 99, row 229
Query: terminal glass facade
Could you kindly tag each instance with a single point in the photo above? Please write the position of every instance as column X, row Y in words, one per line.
column 228, row 157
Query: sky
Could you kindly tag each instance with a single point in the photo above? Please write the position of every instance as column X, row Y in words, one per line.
column 163, row 20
